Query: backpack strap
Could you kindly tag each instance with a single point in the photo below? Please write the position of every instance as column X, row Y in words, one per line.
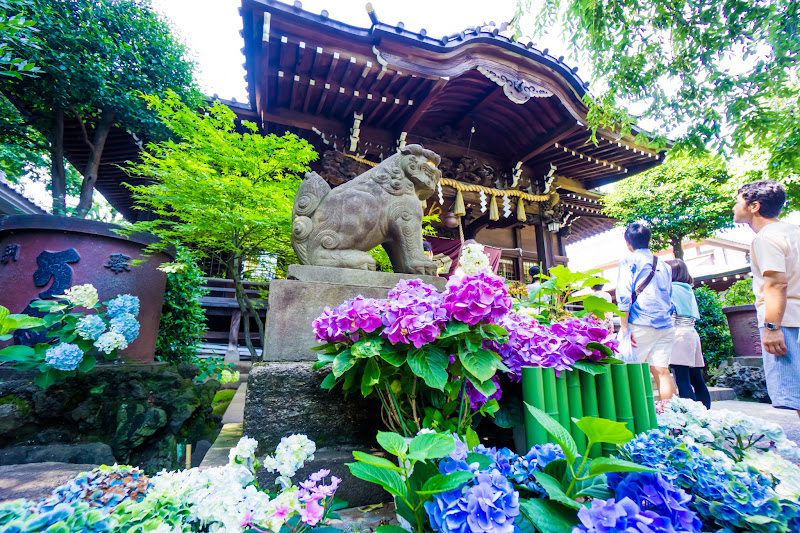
column 646, row 281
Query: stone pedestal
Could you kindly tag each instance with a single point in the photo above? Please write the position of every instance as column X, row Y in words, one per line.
column 295, row 302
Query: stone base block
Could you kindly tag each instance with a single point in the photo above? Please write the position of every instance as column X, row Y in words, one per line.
column 352, row 490
column 286, row 398
column 295, row 302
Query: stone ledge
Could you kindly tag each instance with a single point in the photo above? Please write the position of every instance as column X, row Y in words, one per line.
column 350, row 276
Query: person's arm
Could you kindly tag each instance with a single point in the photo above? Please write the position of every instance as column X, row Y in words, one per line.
column 775, row 284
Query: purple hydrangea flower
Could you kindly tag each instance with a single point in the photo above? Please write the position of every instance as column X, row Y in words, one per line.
column 476, row 298
column 326, row 326
column 414, row 314
column 360, row 313
column 608, row 516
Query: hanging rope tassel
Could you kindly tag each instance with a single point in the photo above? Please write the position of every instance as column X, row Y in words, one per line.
column 521, row 216
column 493, row 214
column 459, row 208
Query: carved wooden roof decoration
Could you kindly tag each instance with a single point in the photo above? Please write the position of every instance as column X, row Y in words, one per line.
column 360, row 90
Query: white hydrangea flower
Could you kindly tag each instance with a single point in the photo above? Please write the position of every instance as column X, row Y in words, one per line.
column 785, row 473
column 473, row 260
column 290, row 455
column 82, row 295
column 244, row 453
column 110, row 341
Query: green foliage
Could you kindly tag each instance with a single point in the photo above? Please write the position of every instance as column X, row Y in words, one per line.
column 715, row 337
column 565, row 480
column 95, row 59
column 227, row 194
column 417, row 477
column 221, row 401
column 740, row 293
column 210, row 367
column 684, row 197
column 381, row 259
column 723, row 71
column 16, row 33
column 562, row 287
column 183, row 320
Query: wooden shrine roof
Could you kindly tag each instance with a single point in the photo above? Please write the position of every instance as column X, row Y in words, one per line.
column 308, row 72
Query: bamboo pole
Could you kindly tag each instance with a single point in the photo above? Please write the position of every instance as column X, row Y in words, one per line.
column 550, row 395
column 648, row 390
column 589, row 393
column 641, row 420
column 622, row 395
column 533, row 394
column 562, row 399
column 606, row 404
column 575, row 409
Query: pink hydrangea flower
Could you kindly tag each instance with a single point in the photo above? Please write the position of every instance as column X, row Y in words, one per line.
column 414, row 314
column 476, row 298
column 312, row 512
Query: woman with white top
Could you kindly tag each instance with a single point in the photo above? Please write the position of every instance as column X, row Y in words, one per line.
column 687, row 355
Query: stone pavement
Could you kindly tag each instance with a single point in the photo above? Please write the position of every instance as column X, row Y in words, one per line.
column 35, row 481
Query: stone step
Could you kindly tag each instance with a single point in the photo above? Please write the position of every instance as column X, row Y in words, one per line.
column 234, row 414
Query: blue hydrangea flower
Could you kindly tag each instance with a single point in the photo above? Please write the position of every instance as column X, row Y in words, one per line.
column 124, row 303
column 90, row 327
column 64, row 356
column 126, row 325
column 110, row 341
column 653, row 492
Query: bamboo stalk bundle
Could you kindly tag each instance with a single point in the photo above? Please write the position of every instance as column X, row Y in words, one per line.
column 622, row 395
column 641, row 419
column 575, row 409
column 550, row 395
column 533, row 394
column 590, row 400
column 606, row 404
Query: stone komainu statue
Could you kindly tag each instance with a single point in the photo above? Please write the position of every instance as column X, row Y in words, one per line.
column 336, row 227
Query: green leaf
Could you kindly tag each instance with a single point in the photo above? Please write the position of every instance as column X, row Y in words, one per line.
column 395, row 358
column 480, row 363
column 392, row 443
column 590, row 367
column 391, row 481
column 593, row 487
column 554, row 490
column 16, row 352
column 45, row 379
column 482, row 460
column 546, row 516
column 87, row 364
column 368, row 347
column 452, row 329
column 472, row 438
column 430, row 363
column 343, row 362
column 487, row 388
column 442, row 483
column 371, row 377
column 329, row 382
column 559, row 433
column 604, row 430
column 605, row 465
column 431, row 446
column 4, row 312
column 375, row 460
column 602, row 348
column 322, row 360
column 598, row 306
column 390, row 528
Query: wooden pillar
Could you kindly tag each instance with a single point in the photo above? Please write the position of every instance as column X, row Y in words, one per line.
column 232, row 353
column 523, row 275
column 544, row 248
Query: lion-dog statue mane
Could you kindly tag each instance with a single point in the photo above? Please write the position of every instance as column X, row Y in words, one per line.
column 337, row 227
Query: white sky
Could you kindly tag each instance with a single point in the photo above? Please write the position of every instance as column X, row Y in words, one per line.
column 211, row 28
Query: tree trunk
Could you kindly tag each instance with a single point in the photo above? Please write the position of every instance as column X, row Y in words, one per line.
column 93, row 165
column 677, row 249
column 58, row 174
column 244, row 306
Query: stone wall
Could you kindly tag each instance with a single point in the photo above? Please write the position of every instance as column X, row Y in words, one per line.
column 141, row 411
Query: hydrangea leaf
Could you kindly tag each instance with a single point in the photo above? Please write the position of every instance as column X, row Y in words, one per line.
column 389, row 528
column 442, row 483
column 472, row 438
column 559, row 433
column 87, row 363
column 393, row 357
column 429, row 363
column 603, row 430
column 392, row 442
column 554, row 489
column 15, row 352
column 391, row 481
column 453, row 328
column 371, row 377
column 431, row 446
column 329, row 382
column 480, row 363
column 590, row 367
column 487, row 388
column 483, row 460
column 546, row 516
column 368, row 347
column 374, row 460
column 343, row 362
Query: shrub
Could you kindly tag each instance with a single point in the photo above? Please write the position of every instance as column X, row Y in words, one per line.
column 715, row 336
column 747, row 382
column 183, row 319
column 740, row 293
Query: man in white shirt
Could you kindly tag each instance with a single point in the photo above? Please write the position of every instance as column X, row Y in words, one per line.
column 775, row 263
